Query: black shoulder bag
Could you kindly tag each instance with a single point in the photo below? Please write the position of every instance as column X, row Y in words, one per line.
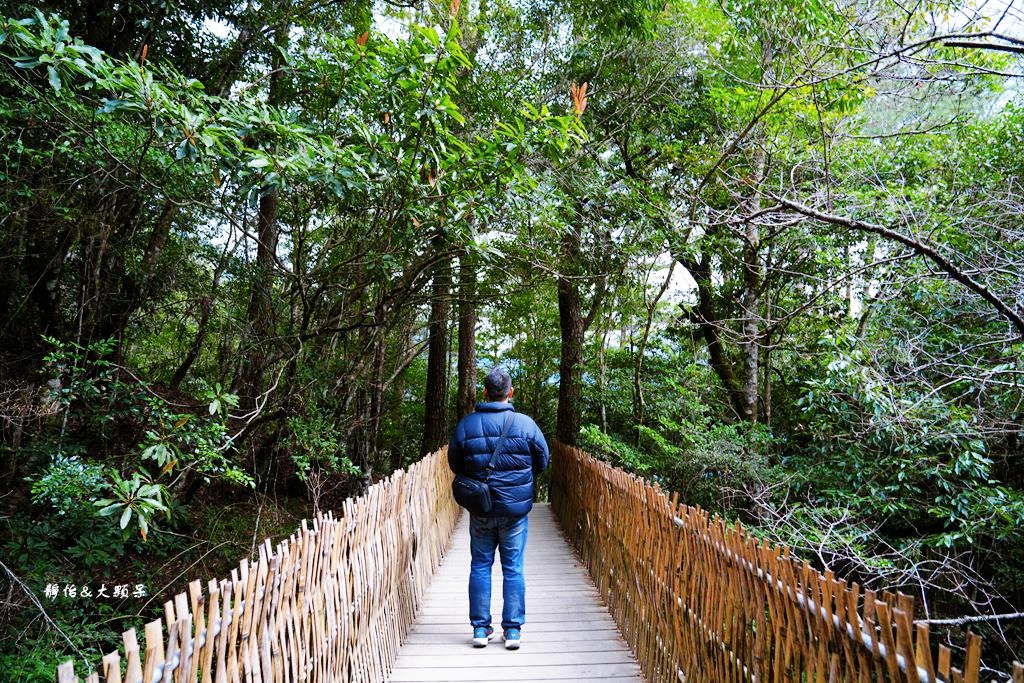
column 475, row 495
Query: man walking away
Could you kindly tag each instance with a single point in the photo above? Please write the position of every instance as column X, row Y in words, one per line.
column 524, row 455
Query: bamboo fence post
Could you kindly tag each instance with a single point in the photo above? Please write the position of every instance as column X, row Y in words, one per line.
column 154, row 650
column 133, row 665
column 184, row 668
column 197, row 605
column 66, row 673
column 973, row 663
column 212, row 608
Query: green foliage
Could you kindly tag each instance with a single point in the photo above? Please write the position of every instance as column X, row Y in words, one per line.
column 37, row 653
column 614, row 451
column 134, row 498
column 68, row 484
column 915, row 462
column 118, row 484
column 683, row 445
column 220, row 400
column 315, row 446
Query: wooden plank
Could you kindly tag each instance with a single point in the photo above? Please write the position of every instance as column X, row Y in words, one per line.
column 428, row 645
column 460, row 635
column 496, row 655
column 582, row 672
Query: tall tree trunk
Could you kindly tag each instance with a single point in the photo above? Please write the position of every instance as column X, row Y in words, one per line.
column 376, row 400
column 573, row 329
column 92, row 248
column 205, row 307
column 155, row 248
column 409, row 351
column 12, row 243
column 466, row 397
column 766, row 391
column 750, row 300
column 573, row 325
column 435, row 414
column 766, row 340
column 119, row 290
column 260, row 309
column 364, row 442
column 570, row 365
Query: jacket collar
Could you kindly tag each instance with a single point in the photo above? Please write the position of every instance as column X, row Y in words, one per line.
column 494, row 407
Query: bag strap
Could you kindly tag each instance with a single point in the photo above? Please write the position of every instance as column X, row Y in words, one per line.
column 501, row 441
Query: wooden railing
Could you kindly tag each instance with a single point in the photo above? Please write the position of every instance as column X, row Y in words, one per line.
column 700, row 600
column 332, row 603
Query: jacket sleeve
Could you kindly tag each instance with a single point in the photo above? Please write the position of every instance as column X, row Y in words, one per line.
column 538, row 450
column 455, row 458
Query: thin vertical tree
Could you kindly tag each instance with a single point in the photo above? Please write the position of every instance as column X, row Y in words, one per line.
column 435, row 409
column 466, row 393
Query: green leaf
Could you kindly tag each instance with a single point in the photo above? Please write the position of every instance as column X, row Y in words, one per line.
column 183, row 150
column 430, row 34
column 158, row 452
column 54, row 78
column 109, row 510
column 149, row 490
column 126, row 517
column 110, row 105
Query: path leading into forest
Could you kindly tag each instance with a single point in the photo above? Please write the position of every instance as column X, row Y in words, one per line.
column 569, row 634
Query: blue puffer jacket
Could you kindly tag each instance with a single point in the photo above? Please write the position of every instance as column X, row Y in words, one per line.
column 524, row 456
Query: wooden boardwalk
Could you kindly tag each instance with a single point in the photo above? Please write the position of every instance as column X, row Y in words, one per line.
column 568, row 635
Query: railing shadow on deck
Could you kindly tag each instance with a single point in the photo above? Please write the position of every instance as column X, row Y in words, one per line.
column 331, row 603
column 700, row 600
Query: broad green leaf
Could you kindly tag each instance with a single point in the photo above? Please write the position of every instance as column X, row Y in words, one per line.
column 109, row 509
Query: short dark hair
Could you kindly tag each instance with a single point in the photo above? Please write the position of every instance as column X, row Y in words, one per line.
column 497, row 383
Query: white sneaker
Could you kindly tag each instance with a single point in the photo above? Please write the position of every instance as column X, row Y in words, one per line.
column 512, row 636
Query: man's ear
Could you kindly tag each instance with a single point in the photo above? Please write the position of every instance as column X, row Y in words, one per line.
column 511, row 391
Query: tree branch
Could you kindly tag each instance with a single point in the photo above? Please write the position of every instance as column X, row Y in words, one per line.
column 1015, row 317
column 973, row 45
column 960, row 621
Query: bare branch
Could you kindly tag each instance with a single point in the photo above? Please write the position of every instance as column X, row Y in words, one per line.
column 960, row 621
column 973, row 45
column 1015, row 316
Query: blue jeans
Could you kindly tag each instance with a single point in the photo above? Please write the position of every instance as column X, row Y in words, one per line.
column 508, row 535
